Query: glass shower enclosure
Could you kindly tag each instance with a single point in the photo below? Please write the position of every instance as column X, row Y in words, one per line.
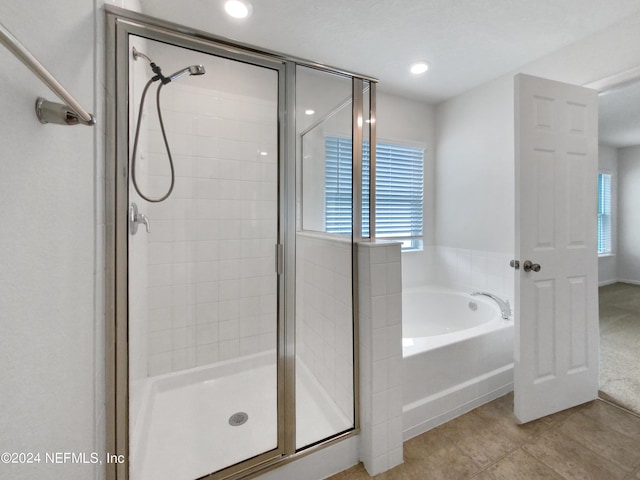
column 203, row 289
column 233, row 342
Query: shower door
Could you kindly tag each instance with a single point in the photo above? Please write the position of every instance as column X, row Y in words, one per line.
column 232, row 336
column 203, row 290
column 324, row 318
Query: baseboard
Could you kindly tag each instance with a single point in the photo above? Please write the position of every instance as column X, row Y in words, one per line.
column 618, row 280
column 420, row 417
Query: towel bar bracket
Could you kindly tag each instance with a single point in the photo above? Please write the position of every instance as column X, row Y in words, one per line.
column 69, row 113
column 52, row 112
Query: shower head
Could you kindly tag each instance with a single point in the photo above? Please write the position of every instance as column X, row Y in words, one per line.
column 192, row 70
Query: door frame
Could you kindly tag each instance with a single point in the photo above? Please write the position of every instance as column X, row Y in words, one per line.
column 118, row 197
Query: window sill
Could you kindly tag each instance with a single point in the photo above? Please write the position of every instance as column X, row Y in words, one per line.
column 604, row 255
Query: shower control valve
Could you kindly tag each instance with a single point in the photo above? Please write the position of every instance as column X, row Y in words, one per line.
column 136, row 218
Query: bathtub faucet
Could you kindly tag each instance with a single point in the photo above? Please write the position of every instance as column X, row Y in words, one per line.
column 505, row 308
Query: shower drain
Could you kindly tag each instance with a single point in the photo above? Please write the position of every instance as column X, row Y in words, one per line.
column 238, row 419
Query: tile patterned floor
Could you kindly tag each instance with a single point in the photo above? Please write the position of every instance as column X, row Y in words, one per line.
column 593, row 441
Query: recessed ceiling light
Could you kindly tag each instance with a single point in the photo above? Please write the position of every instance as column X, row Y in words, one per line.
column 309, row 112
column 419, row 67
column 237, row 9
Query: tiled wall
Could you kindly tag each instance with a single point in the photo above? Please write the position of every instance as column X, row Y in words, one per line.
column 211, row 277
column 380, row 301
column 470, row 270
column 324, row 319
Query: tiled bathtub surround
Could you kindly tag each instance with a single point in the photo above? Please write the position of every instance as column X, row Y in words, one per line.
column 324, row 315
column 211, row 279
column 469, row 270
column 380, row 287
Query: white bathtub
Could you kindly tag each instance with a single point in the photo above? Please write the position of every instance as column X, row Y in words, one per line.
column 457, row 354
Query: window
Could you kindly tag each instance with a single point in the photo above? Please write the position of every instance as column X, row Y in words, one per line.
column 337, row 191
column 399, row 190
column 604, row 214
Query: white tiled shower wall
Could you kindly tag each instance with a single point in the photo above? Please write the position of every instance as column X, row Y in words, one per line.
column 324, row 318
column 211, row 280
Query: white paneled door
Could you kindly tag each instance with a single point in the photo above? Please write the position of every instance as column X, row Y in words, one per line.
column 556, row 358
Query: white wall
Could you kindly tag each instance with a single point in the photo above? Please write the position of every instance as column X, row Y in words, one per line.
column 475, row 169
column 51, row 268
column 629, row 214
column 474, row 191
column 401, row 120
column 608, row 264
column 474, row 140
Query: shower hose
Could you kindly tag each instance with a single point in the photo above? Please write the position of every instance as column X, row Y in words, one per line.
column 166, row 144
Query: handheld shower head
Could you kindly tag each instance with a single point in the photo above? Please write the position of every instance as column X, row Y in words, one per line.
column 192, row 70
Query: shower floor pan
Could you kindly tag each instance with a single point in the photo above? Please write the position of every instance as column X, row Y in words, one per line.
column 187, row 421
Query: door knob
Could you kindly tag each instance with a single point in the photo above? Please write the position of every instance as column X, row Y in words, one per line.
column 515, row 264
column 529, row 266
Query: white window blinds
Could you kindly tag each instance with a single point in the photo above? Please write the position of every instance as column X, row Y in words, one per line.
column 604, row 213
column 399, row 190
column 338, row 188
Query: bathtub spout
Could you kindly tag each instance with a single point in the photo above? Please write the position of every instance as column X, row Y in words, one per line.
column 505, row 308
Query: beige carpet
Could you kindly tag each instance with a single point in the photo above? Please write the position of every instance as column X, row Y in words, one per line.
column 620, row 344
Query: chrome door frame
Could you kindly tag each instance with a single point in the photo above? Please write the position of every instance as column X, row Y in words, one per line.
column 118, row 180
column 120, row 23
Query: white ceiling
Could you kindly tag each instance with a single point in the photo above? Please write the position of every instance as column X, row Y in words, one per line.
column 619, row 116
column 466, row 42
